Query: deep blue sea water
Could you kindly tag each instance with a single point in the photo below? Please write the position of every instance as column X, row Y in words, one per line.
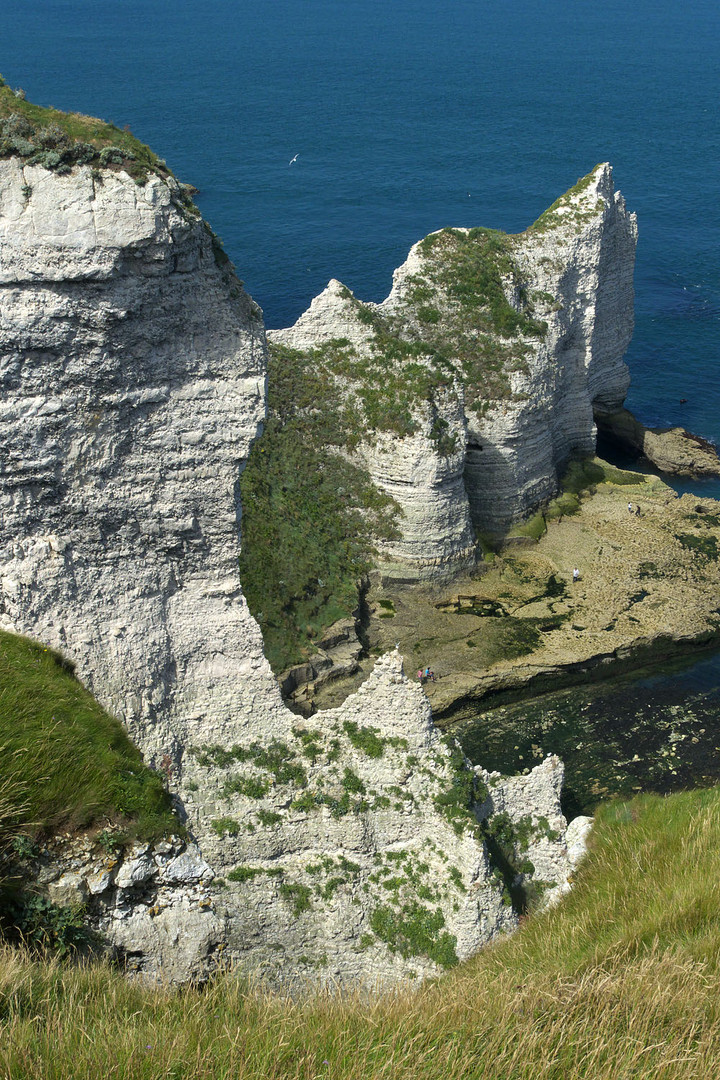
column 409, row 115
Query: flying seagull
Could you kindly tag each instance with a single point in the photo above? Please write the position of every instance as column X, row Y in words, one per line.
column 294, row 160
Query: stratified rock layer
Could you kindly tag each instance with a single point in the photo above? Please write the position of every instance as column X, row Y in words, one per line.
column 578, row 262
column 133, row 368
column 504, row 443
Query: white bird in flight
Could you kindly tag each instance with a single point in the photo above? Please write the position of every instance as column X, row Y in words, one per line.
column 294, row 160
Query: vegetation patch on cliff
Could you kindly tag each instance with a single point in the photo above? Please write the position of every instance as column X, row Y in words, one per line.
column 567, row 211
column 468, row 274
column 310, row 516
column 456, row 322
column 69, row 764
column 59, row 140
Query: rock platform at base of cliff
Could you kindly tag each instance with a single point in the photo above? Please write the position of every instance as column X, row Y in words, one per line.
column 671, row 450
column 648, row 590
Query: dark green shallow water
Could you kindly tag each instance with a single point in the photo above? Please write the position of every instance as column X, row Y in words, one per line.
column 660, row 732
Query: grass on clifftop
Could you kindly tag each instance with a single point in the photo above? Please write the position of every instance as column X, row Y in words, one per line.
column 59, row 140
column 66, row 762
column 621, row 981
column 565, row 210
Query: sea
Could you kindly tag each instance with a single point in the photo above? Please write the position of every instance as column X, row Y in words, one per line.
column 405, row 116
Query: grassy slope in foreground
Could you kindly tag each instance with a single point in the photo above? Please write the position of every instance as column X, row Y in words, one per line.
column 620, row 981
column 65, row 761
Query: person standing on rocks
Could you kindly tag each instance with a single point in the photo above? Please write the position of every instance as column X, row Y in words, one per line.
column 576, row 574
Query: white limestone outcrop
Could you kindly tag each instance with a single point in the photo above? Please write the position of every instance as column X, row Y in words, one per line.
column 573, row 271
column 349, row 851
column 546, row 850
column 152, row 905
column 578, row 266
column 132, row 368
column 133, row 382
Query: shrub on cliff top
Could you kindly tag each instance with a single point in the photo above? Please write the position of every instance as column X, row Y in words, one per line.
column 59, row 140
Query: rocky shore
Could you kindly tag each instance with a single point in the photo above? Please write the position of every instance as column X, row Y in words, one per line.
column 671, row 450
column 649, row 589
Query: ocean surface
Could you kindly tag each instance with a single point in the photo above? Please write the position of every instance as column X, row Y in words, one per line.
column 407, row 116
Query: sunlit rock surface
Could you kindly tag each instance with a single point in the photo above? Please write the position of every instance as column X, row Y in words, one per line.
column 133, row 379
column 507, row 441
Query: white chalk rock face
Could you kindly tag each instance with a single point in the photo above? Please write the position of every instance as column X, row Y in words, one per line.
column 437, row 534
column 437, row 537
column 544, row 846
column 578, row 263
column 133, row 383
column 573, row 272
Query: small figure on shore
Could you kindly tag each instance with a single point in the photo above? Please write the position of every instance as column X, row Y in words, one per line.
column 630, row 509
column 637, row 512
column 576, row 574
column 420, row 674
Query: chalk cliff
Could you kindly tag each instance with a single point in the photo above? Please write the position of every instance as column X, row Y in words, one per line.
column 500, row 348
column 133, row 368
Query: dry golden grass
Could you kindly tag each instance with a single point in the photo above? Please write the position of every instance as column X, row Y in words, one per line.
column 620, row 981
column 652, row 1016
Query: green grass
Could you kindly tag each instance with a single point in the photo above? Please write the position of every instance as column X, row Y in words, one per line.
column 71, row 764
column 563, row 212
column 565, row 505
column 581, row 477
column 706, row 546
column 584, row 474
column 620, row 981
column 533, row 528
column 60, row 140
column 310, row 517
